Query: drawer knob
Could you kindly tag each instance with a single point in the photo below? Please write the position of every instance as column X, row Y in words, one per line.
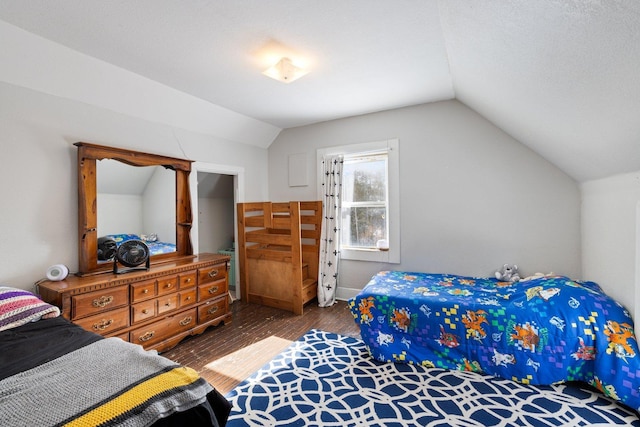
column 213, row 289
column 213, row 309
column 145, row 311
column 188, row 280
column 145, row 291
column 103, row 301
column 169, row 285
column 147, row 336
column 102, row 325
column 186, row 321
column 213, row 273
column 188, row 299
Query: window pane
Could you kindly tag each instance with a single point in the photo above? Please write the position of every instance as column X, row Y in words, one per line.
column 363, row 226
column 365, row 180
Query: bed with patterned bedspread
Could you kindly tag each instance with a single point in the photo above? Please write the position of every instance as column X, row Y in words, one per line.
column 156, row 247
column 546, row 330
column 55, row 373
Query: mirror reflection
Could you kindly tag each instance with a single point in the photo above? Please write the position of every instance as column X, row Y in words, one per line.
column 135, row 203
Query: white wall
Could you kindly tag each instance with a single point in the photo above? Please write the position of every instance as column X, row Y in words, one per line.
column 472, row 198
column 159, row 211
column 110, row 217
column 38, row 218
column 610, row 236
column 216, row 228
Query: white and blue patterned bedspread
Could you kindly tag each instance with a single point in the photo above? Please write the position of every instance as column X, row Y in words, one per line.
column 542, row 331
column 155, row 247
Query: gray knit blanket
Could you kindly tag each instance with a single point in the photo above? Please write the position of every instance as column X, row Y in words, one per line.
column 107, row 383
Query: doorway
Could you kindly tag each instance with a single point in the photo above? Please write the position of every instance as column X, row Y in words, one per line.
column 215, row 190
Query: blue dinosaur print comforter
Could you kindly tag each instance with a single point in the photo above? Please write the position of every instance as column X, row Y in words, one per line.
column 546, row 330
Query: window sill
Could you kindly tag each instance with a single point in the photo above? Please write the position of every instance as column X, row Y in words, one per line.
column 372, row 255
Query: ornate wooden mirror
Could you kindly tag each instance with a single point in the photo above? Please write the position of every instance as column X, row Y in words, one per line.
column 88, row 232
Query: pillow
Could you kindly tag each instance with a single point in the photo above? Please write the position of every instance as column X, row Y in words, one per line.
column 18, row 307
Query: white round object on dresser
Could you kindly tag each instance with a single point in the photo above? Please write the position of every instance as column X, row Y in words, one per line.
column 57, row 272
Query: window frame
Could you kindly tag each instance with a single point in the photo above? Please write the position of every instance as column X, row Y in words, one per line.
column 392, row 148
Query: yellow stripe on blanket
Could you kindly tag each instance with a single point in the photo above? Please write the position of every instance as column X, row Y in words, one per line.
column 178, row 377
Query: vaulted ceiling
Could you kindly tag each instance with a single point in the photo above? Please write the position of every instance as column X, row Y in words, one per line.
column 561, row 76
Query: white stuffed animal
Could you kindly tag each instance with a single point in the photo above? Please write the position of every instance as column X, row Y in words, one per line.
column 508, row 273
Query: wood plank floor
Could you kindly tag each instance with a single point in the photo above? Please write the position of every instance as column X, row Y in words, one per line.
column 227, row 354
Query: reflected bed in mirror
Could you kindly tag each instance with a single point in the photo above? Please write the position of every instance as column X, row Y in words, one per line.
column 136, row 203
column 123, row 192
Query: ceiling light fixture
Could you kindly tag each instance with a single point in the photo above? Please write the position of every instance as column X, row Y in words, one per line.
column 284, row 71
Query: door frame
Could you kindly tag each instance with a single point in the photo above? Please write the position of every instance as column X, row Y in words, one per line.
column 238, row 197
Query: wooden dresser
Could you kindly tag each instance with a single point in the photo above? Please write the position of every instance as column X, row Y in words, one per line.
column 155, row 308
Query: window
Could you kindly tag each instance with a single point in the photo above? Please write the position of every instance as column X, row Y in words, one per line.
column 370, row 200
column 364, row 201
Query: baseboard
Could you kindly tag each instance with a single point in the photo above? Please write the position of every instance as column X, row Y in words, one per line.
column 344, row 294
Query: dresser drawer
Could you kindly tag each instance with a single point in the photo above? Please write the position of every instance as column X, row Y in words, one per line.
column 167, row 285
column 210, row 274
column 143, row 290
column 143, row 311
column 107, row 322
column 188, row 280
column 212, row 290
column 167, row 303
column 213, row 309
column 124, row 336
column 99, row 301
column 188, row 297
column 163, row 329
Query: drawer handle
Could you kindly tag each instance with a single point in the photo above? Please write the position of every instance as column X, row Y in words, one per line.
column 102, row 301
column 213, row 309
column 187, row 299
column 186, row 321
column 145, row 291
column 213, row 289
column 213, row 273
column 102, row 325
column 188, row 280
column 167, row 304
column 147, row 336
column 145, row 311
column 169, row 285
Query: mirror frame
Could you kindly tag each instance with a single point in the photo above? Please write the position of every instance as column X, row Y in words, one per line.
column 88, row 154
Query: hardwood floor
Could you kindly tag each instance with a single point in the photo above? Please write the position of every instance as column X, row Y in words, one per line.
column 227, row 354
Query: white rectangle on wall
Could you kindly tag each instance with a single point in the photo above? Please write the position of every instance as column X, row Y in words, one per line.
column 298, row 170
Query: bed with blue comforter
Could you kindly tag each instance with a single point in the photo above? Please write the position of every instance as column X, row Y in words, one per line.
column 156, row 247
column 546, row 330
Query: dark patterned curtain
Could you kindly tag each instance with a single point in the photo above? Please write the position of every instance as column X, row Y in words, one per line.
column 330, row 241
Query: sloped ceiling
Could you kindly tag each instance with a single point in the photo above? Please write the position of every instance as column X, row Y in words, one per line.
column 561, row 76
column 115, row 177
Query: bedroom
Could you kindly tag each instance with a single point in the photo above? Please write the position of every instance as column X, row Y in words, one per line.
column 462, row 174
